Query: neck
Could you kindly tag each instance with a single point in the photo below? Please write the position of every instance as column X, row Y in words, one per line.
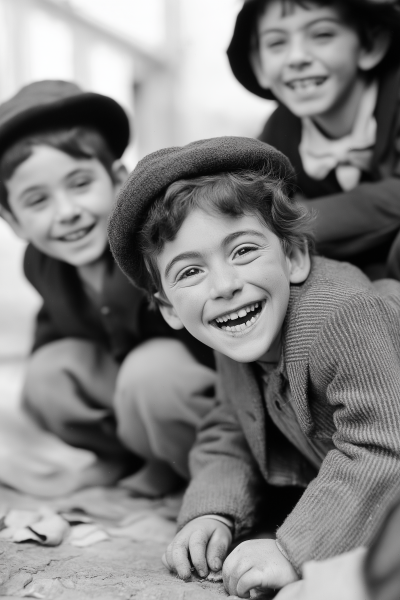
column 340, row 120
column 273, row 353
column 93, row 274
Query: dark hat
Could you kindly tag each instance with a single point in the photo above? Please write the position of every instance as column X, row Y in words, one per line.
column 385, row 13
column 154, row 173
column 52, row 104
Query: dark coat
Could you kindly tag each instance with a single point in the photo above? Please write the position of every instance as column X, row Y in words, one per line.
column 361, row 224
column 341, row 361
column 119, row 322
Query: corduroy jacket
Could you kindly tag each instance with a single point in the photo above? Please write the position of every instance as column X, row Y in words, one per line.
column 119, row 322
column 341, row 361
column 361, row 224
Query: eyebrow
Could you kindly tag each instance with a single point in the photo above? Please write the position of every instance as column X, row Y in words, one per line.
column 279, row 30
column 225, row 242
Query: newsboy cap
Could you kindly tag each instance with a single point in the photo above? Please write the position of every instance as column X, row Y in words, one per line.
column 51, row 104
column 154, row 173
column 380, row 13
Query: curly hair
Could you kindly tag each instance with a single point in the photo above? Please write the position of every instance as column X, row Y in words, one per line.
column 234, row 194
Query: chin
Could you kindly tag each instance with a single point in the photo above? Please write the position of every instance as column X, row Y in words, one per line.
column 84, row 259
column 243, row 356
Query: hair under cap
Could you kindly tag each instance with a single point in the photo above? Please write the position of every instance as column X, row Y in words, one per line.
column 158, row 170
column 384, row 13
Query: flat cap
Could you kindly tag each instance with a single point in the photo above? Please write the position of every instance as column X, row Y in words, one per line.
column 154, row 173
column 52, row 104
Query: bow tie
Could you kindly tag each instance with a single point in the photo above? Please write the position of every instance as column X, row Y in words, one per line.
column 348, row 165
column 349, row 155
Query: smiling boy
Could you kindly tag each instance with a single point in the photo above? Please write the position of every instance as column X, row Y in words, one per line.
column 308, row 356
column 106, row 374
column 333, row 67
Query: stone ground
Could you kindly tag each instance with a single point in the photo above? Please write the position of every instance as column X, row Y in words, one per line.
column 112, row 569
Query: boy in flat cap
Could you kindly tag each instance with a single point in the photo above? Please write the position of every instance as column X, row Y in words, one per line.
column 333, row 67
column 106, row 373
column 308, row 356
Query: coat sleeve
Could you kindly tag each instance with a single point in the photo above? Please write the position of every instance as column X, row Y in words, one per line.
column 45, row 330
column 225, row 477
column 350, row 223
column 354, row 366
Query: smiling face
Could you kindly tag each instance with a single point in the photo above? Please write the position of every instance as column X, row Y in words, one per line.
column 311, row 59
column 61, row 205
column 227, row 280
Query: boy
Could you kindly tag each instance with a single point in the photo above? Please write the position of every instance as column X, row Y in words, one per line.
column 106, row 374
column 333, row 67
column 308, row 357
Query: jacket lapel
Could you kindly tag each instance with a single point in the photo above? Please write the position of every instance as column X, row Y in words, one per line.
column 248, row 402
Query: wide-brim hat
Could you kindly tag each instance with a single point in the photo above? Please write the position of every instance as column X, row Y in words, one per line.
column 45, row 105
column 154, row 173
column 385, row 13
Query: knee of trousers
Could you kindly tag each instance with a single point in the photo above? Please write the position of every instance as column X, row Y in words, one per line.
column 45, row 378
column 156, row 385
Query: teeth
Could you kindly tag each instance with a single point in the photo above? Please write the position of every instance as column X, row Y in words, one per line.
column 306, row 82
column 240, row 314
column 237, row 315
column 70, row 237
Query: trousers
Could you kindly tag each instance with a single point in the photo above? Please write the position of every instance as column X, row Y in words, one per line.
column 150, row 405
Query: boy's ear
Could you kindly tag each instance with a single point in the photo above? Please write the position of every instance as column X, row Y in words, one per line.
column 371, row 57
column 299, row 264
column 120, row 174
column 13, row 223
column 168, row 312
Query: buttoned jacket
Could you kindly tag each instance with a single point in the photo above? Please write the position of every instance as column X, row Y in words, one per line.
column 341, row 361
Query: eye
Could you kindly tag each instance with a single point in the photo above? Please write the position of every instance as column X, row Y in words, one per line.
column 190, row 272
column 35, row 200
column 81, row 182
column 274, row 43
column 323, row 34
column 244, row 251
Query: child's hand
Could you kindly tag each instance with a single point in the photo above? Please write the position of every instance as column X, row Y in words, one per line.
column 337, row 578
column 256, row 564
column 203, row 541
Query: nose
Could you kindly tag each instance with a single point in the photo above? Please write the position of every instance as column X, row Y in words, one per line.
column 226, row 283
column 298, row 56
column 67, row 210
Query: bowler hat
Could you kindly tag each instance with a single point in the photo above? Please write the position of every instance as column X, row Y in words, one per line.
column 154, row 173
column 385, row 13
column 53, row 104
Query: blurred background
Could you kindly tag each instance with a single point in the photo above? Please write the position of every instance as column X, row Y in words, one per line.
column 163, row 60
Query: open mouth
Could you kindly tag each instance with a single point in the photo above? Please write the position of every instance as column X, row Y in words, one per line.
column 241, row 319
column 76, row 235
column 305, row 83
